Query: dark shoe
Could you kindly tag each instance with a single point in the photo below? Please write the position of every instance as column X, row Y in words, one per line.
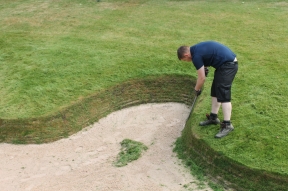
column 225, row 129
column 209, row 121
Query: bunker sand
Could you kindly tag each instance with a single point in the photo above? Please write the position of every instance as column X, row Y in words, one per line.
column 84, row 161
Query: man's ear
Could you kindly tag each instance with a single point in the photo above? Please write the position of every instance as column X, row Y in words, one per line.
column 186, row 54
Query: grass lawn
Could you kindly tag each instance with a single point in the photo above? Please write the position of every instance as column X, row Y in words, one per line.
column 54, row 53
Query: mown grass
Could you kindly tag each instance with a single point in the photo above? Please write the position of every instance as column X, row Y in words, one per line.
column 259, row 92
column 53, row 53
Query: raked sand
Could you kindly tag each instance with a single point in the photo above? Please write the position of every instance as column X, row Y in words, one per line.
column 84, row 161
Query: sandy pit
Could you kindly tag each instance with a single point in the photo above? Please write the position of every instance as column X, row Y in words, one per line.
column 84, row 161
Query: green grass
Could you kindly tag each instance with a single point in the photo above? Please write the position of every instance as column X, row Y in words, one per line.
column 259, row 103
column 55, row 53
column 130, row 150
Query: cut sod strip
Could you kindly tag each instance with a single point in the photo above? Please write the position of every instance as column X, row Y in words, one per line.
column 130, row 151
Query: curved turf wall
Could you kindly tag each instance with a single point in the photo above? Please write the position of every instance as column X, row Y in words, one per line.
column 225, row 170
column 172, row 88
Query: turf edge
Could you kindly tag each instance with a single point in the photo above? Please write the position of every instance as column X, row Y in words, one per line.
column 152, row 89
column 84, row 112
column 222, row 169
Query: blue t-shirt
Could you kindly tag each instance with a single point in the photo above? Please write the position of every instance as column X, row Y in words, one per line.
column 210, row 53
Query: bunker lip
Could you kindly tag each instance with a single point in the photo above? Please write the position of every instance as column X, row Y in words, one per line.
column 152, row 89
column 71, row 119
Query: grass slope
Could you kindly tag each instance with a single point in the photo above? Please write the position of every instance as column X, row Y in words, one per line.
column 54, row 53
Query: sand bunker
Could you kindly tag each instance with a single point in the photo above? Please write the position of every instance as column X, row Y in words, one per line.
column 84, row 161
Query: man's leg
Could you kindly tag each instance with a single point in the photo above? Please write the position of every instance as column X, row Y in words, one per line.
column 215, row 105
column 226, row 125
column 225, row 79
column 227, row 110
column 212, row 118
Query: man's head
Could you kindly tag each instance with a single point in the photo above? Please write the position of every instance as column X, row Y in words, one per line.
column 184, row 54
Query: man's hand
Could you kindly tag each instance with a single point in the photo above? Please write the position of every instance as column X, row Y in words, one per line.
column 206, row 71
column 198, row 92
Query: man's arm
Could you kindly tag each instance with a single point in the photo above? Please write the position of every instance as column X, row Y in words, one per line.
column 201, row 78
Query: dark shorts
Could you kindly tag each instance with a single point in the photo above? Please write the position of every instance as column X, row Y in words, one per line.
column 222, row 83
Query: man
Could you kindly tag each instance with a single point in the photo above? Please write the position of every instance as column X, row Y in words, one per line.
column 210, row 53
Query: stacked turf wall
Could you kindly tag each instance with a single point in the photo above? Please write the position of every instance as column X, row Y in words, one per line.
column 153, row 89
column 86, row 111
column 224, row 170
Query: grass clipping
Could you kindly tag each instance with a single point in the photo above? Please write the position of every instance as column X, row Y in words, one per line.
column 130, row 151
